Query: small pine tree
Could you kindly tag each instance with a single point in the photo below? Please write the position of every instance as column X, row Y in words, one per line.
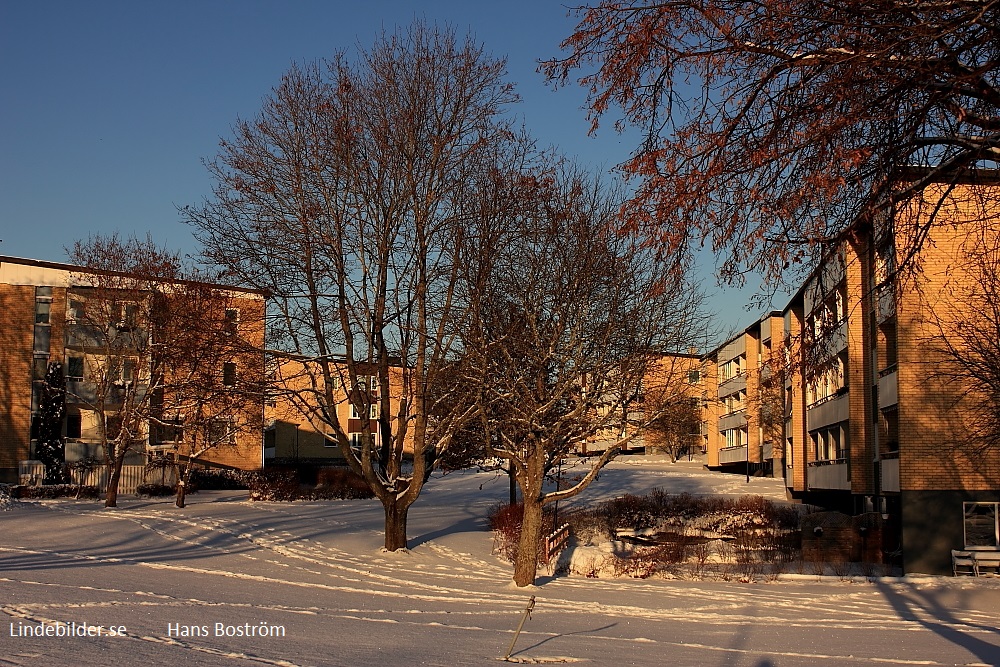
column 50, row 448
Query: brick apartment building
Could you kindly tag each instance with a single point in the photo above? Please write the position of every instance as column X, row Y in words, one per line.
column 743, row 400
column 675, row 384
column 297, row 431
column 878, row 414
column 44, row 321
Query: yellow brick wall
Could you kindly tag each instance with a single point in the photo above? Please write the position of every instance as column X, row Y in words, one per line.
column 17, row 303
column 859, row 367
column 933, row 417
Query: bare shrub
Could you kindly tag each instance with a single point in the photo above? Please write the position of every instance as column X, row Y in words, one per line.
column 588, row 526
column 842, row 569
column 505, row 521
column 645, row 562
column 873, row 571
column 701, row 552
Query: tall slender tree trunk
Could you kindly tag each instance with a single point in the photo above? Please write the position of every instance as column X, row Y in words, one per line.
column 182, row 477
column 526, row 561
column 111, row 497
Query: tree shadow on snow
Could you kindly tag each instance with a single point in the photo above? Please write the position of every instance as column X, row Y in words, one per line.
column 918, row 605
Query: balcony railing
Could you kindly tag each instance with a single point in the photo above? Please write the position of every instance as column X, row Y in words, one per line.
column 831, row 474
column 890, row 474
column 888, row 388
column 736, row 454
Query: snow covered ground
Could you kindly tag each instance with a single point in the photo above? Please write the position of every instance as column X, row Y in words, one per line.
column 199, row 586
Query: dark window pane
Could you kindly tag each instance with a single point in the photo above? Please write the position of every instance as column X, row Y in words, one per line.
column 74, row 425
column 43, row 335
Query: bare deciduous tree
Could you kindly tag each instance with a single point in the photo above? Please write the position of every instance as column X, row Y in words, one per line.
column 568, row 314
column 676, row 405
column 209, row 394
column 113, row 369
column 344, row 200
column 771, row 127
column 155, row 350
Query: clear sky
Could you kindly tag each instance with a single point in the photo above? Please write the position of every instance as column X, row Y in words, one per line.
column 108, row 108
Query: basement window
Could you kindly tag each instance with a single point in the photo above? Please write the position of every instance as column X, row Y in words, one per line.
column 981, row 527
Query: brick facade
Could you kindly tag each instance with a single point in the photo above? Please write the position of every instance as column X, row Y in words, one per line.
column 35, row 299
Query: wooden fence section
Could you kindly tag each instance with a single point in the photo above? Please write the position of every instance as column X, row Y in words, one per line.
column 556, row 542
column 33, row 472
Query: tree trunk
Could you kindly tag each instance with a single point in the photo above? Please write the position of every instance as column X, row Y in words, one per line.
column 395, row 525
column 526, row 562
column 111, row 498
column 182, row 476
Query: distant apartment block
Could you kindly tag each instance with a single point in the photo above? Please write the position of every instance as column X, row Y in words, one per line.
column 112, row 343
column 298, row 427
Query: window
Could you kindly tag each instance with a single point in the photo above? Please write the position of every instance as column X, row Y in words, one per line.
column 77, row 310
column 828, row 380
column 357, row 440
column 74, row 425
column 221, row 431
column 40, row 367
column 229, row 374
column 231, row 322
column 732, row 368
column 735, row 437
column 113, row 425
column 374, row 410
column 829, row 444
column 124, row 315
column 122, row 370
column 74, row 368
column 981, row 528
column 42, row 309
column 170, row 431
column 735, row 402
column 43, row 337
column 694, row 376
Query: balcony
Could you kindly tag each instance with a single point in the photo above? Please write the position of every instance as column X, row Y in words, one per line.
column 888, row 388
column 832, row 474
column 890, row 475
column 733, row 420
column 885, row 303
column 831, row 410
column 83, row 392
column 736, row 454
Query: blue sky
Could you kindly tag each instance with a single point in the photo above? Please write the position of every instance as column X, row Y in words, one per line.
column 108, row 108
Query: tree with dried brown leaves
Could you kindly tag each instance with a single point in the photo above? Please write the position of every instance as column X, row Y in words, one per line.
column 150, row 343
column 771, row 127
column 113, row 368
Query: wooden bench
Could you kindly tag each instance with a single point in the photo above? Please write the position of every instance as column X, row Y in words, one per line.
column 962, row 562
column 986, row 560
